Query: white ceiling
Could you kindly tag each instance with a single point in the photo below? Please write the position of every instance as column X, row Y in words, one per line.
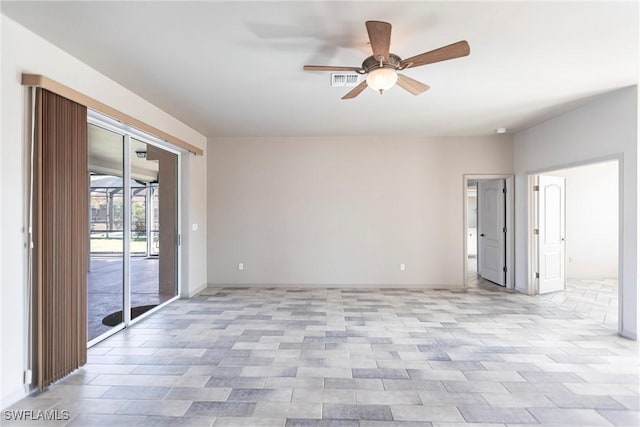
column 235, row 68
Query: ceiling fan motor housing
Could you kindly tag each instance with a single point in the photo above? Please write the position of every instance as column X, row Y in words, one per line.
column 372, row 63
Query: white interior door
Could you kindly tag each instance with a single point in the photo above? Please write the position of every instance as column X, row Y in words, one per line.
column 492, row 229
column 550, row 233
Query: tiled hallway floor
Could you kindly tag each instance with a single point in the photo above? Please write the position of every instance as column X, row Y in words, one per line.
column 595, row 299
column 351, row 357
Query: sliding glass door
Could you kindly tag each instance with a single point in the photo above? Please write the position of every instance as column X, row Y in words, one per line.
column 105, row 285
column 134, row 238
column 154, row 227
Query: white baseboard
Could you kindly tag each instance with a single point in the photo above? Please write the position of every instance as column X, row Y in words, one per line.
column 628, row 334
column 14, row 397
column 334, row 286
column 196, row 291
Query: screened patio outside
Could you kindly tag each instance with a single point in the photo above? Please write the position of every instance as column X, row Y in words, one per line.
column 106, row 268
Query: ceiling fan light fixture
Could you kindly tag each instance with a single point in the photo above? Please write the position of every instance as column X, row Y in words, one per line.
column 381, row 68
column 382, row 79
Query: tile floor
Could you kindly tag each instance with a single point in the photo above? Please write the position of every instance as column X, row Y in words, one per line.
column 354, row 357
column 595, row 299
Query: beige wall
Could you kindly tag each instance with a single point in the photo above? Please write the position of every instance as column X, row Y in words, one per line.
column 343, row 210
column 23, row 51
column 591, row 220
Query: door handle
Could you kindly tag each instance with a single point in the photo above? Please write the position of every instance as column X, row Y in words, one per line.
column 482, row 235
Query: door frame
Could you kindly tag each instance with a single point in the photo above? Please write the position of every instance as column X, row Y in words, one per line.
column 531, row 285
column 128, row 132
column 509, row 218
column 530, row 268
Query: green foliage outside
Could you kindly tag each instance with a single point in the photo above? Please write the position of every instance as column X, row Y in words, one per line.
column 99, row 243
column 139, row 222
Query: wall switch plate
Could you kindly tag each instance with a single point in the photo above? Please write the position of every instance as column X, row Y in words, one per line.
column 401, row 267
column 240, row 266
column 195, row 227
column 28, row 376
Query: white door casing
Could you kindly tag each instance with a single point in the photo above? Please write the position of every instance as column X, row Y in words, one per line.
column 491, row 230
column 550, row 216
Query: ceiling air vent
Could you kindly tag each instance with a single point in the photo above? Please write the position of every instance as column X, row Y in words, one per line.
column 344, row 79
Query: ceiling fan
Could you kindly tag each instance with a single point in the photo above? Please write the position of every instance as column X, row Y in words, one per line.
column 382, row 67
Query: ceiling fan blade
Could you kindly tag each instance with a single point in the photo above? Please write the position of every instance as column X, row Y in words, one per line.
column 455, row 50
column 380, row 38
column 329, row 68
column 356, row 90
column 411, row 85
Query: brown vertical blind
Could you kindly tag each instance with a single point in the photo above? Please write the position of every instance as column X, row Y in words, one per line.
column 61, row 229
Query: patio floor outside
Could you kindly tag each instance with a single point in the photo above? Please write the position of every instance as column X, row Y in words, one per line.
column 105, row 291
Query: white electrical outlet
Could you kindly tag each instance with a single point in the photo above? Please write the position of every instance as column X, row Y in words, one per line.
column 240, row 266
column 28, row 377
column 401, row 267
column 195, row 227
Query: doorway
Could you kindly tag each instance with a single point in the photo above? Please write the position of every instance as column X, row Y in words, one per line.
column 472, row 233
column 586, row 261
column 488, row 230
column 133, row 219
